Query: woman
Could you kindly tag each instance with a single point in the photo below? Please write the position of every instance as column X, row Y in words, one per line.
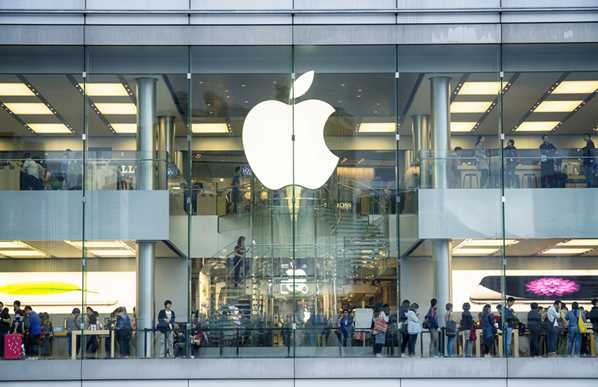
column 450, row 325
column 466, row 326
column 573, row 331
column 488, row 329
column 482, row 162
column 4, row 328
column 414, row 327
column 380, row 324
column 239, row 254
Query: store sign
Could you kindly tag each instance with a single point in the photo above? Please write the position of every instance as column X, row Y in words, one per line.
column 282, row 140
column 295, row 283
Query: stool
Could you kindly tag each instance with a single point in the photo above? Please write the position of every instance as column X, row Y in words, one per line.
column 471, row 180
column 529, row 180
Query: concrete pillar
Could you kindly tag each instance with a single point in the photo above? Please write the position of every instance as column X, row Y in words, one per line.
column 441, row 249
column 420, row 134
column 146, row 117
column 165, row 149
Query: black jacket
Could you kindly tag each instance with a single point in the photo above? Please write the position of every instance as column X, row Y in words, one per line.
column 163, row 325
column 593, row 317
column 534, row 321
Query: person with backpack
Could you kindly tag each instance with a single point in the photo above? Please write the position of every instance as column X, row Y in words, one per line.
column 123, row 331
column 534, row 325
column 593, row 317
column 466, row 325
column 450, row 326
column 576, row 326
column 166, row 321
column 431, row 323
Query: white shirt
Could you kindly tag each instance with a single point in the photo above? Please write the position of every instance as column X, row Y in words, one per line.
column 553, row 316
column 413, row 325
column 168, row 315
column 32, row 168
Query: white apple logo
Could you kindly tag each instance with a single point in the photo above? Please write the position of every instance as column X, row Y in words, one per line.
column 268, row 140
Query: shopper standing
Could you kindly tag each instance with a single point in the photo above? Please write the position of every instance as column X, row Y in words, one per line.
column 166, row 321
column 534, row 324
column 450, row 326
column 345, row 324
column 414, row 327
column 587, row 152
column 575, row 319
column 547, row 171
column 404, row 334
column 123, row 331
column 4, row 326
column 553, row 331
column 482, row 162
column 431, row 323
column 510, row 155
column 510, row 323
column 466, row 326
column 488, row 329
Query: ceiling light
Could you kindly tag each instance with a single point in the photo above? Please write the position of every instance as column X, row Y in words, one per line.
column 15, row 89
column 28, row 108
column 49, row 128
column 480, row 88
column 376, row 127
column 104, row 89
column 112, row 252
column 116, row 108
column 566, row 251
column 486, row 242
column 579, row 242
column 22, row 254
column 576, row 87
column 470, row 107
column 462, row 126
column 537, row 126
column 475, row 251
column 212, row 127
column 124, row 128
column 98, row 244
column 14, row 245
column 557, row 106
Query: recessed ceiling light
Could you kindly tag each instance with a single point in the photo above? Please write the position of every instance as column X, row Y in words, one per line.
column 98, row 244
column 22, row 254
column 475, row 251
column 116, row 108
column 28, row 108
column 462, row 126
column 576, row 87
column 537, row 126
column 111, row 252
column 486, row 242
column 49, row 128
column 210, row 127
column 104, row 89
column 557, row 106
column 124, row 128
column 565, row 251
column 470, row 107
column 579, row 242
column 15, row 89
column 376, row 127
column 14, row 245
column 480, row 88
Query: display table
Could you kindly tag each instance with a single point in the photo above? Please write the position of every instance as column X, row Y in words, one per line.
column 109, row 334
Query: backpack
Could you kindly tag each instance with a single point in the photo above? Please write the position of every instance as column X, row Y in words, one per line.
column 451, row 326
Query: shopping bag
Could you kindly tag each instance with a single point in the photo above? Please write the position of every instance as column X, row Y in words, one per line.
column 13, row 346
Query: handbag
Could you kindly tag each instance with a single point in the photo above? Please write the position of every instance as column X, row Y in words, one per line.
column 581, row 323
column 380, row 325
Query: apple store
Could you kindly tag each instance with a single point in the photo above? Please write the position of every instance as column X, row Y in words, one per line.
column 267, row 190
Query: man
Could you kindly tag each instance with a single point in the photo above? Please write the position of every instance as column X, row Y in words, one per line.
column 166, row 321
column 547, row 171
column 345, row 325
column 33, row 174
column 34, row 331
column 404, row 308
column 553, row 316
column 593, row 317
column 587, row 152
column 534, row 324
column 510, row 155
column 510, row 321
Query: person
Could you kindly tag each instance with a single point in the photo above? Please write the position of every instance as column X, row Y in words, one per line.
column 403, row 309
column 488, row 330
column 33, row 333
column 455, row 162
column 239, row 254
column 73, row 179
column 392, row 334
column 466, row 325
column 380, row 326
column 4, row 326
column 47, row 335
column 123, row 331
column 450, row 325
column 91, row 323
column 574, row 317
column 73, row 324
column 553, row 329
column 510, row 156
column 414, row 327
column 33, row 173
column 587, row 153
column 431, row 323
column 236, row 191
column 166, row 321
column 593, row 317
column 534, row 325
column 547, row 171
column 510, row 323
column 482, row 162
column 346, row 324
column 563, row 342
column 16, row 306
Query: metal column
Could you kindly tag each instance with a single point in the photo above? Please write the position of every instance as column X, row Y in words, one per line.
column 441, row 249
column 146, row 116
column 165, row 149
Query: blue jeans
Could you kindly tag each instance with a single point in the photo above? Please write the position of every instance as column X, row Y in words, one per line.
column 573, row 342
column 468, row 347
column 508, row 338
column 450, row 345
column 553, row 339
column 412, row 341
column 588, row 171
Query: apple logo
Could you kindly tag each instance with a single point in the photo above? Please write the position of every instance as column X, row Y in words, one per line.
column 270, row 146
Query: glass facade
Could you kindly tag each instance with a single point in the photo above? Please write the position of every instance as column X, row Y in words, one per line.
column 299, row 201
